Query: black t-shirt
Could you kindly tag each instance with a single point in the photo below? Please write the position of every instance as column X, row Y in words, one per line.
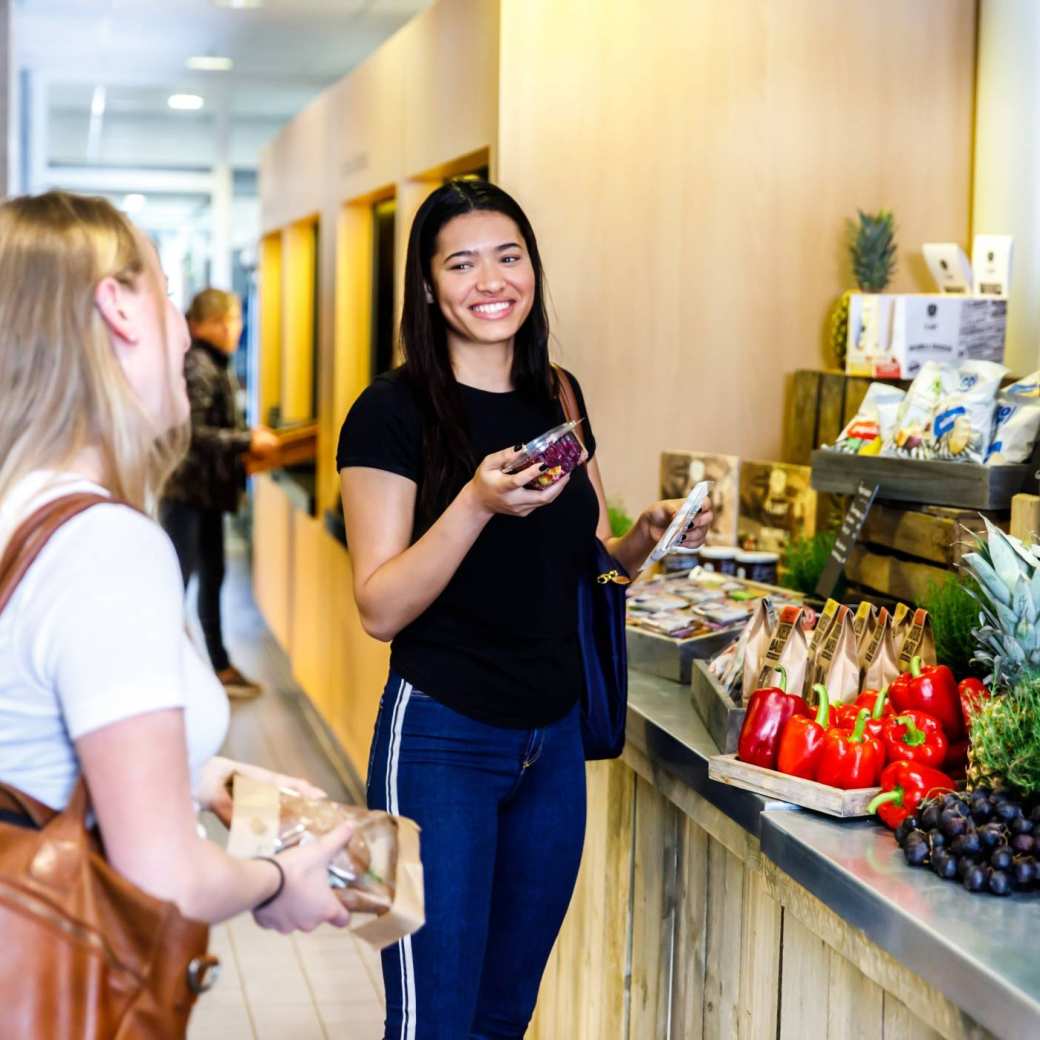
column 500, row 642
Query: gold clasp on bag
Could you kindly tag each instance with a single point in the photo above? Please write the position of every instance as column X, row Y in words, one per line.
column 615, row 577
column 203, row 974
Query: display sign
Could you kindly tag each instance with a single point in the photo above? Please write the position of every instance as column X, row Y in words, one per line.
column 851, row 526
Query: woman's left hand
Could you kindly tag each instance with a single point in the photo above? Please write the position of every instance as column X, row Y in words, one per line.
column 656, row 518
column 212, row 792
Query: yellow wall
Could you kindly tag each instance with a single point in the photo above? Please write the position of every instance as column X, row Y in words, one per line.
column 270, row 367
column 689, row 165
column 299, row 269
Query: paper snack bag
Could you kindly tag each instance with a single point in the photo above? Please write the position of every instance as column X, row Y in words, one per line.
column 918, row 642
column 378, row 876
column 788, row 649
column 754, row 644
column 863, row 626
column 880, row 659
column 837, row 663
column 823, row 626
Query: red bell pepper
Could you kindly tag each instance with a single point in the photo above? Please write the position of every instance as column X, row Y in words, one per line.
column 972, row 692
column 904, row 785
column 956, row 761
column 767, row 712
column 850, row 760
column 802, row 740
column 847, row 715
column 933, row 690
column 915, row 737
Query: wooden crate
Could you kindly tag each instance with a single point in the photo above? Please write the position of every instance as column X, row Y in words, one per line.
column 960, row 484
column 673, row 658
column 833, row 801
column 718, row 711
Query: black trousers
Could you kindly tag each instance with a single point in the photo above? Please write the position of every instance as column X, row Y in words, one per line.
column 198, row 537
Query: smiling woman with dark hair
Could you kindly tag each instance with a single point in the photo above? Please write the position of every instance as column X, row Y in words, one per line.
column 474, row 577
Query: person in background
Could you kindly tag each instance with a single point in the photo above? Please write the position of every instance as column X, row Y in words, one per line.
column 97, row 674
column 209, row 482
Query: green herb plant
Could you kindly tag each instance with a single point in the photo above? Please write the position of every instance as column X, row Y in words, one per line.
column 954, row 613
column 804, row 560
column 1005, row 736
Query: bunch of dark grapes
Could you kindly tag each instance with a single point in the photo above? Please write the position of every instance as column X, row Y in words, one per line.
column 987, row 840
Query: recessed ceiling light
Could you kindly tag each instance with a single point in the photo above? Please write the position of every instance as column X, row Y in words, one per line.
column 210, row 63
column 134, row 202
column 185, row 102
column 239, row 3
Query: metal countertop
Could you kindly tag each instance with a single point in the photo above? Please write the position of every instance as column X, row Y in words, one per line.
column 978, row 950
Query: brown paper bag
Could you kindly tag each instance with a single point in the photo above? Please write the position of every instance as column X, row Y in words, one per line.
column 378, row 876
column 823, row 626
column 918, row 642
column 755, row 641
column 880, row 659
column 837, row 663
column 788, row 649
column 863, row 625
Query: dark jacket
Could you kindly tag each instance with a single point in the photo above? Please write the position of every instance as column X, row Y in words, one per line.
column 212, row 475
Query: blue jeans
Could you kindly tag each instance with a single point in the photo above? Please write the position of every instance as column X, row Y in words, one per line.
column 503, row 822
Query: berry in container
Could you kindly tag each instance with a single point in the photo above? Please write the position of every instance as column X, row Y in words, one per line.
column 559, row 450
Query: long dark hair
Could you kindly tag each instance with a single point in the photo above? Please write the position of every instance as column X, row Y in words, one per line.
column 448, row 461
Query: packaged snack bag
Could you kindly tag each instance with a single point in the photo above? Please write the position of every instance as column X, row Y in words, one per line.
column 911, row 437
column 963, row 420
column 685, row 515
column 918, row 642
column 752, row 646
column 788, row 649
column 873, row 423
column 837, row 662
column 880, row 657
column 378, row 876
column 1016, row 423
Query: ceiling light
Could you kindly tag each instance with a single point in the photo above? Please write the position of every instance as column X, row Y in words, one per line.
column 240, row 4
column 134, row 202
column 185, row 102
column 97, row 102
column 210, row 63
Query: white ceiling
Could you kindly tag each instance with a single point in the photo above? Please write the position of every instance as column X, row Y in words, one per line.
column 284, row 52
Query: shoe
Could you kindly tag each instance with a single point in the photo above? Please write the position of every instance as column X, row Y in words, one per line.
column 237, row 686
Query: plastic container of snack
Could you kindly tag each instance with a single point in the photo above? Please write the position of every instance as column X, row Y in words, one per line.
column 680, row 560
column 758, row 566
column 558, row 448
column 722, row 559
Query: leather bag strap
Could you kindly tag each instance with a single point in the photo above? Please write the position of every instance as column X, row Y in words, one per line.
column 569, row 402
column 21, row 552
column 34, row 533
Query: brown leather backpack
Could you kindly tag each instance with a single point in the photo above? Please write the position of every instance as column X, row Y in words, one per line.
column 87, row 955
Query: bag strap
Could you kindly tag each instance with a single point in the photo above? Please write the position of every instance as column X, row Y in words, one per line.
column 569, row 402
column 25, row 545
column 35, row 532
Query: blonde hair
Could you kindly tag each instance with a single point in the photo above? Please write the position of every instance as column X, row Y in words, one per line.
column 211, row 303
column 64, row 389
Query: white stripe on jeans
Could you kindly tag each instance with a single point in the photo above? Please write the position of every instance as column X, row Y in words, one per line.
column 404, row 693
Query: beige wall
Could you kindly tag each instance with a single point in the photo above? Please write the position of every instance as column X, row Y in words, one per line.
column 689, row 165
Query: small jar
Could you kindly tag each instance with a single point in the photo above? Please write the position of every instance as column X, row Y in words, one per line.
column 758, row 566
column 680, row 560
column 719, row 558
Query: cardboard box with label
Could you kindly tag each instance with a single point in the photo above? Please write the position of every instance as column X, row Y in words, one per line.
column 891, row 337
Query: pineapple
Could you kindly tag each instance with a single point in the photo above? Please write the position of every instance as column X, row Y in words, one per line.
column 872, row 249
column 1007, row 573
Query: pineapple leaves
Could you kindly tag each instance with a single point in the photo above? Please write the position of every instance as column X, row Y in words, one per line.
column 873, row 250
column 1006, row 562
column 987, row 577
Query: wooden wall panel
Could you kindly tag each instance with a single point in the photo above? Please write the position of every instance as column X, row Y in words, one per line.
column 310, row 625
column 272, row 557
column 689, row 167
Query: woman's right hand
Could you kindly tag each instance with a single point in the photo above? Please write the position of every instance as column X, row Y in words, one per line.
column 307, row 900
column 499, row 492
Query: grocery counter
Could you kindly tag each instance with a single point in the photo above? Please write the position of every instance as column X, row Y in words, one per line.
column 753, row 918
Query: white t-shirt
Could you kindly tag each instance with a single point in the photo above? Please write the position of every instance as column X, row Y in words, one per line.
column 94, row 634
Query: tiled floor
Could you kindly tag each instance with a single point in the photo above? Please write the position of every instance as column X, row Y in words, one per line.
column 321, row 986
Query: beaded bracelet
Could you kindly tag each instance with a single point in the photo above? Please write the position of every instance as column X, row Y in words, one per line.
column 281, row 882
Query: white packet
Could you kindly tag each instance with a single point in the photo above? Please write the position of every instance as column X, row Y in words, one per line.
column 1016, row 422
column 687, row 511
column 911, row 437
column 963, row 421
column 874, row 421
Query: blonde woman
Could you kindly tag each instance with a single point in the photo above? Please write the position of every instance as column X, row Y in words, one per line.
column 96, row 672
